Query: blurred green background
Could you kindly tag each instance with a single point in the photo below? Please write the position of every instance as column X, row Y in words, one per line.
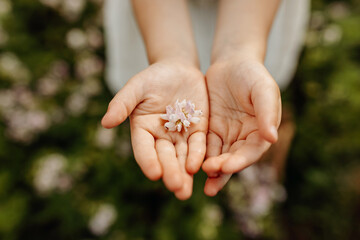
column 62, row 176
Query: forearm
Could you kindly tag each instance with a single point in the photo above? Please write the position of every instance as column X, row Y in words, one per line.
column 166, row 29
column 242, row 28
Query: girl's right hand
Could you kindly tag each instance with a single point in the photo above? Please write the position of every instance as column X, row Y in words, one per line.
column 172, row 156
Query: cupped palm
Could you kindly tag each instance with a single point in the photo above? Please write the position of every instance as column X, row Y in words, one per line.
column 172, row 156
column 245, row 110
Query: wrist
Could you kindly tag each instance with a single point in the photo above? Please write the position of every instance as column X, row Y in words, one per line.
column 172, row 51
column 177, row 60
column 239, row 53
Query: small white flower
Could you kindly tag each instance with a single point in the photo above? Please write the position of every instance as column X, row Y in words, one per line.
column 76, row 39
column 105, row 138
column 181, row 115
column 50, row 174
column 105, row 216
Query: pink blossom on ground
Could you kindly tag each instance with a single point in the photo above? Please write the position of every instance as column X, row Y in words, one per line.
column 181, row 116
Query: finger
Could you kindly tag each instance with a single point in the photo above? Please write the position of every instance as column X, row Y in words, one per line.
column 248, row 153
column 214, row 185
column 122, row 104
column 214, row 145
column 197, row 149
column 213, row 149
column 172, row 175
column 212, row 166
column 185, row 192
column 267, row 104
column 143, row 144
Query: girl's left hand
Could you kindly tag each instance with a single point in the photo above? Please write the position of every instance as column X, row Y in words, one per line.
column 245, row 112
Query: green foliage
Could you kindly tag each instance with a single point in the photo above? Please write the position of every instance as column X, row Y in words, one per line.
column 323, row 201
column 60, row 172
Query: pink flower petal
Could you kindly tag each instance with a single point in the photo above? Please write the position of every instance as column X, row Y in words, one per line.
column 181, row 115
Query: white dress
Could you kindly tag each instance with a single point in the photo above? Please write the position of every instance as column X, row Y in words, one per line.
column 126, row 53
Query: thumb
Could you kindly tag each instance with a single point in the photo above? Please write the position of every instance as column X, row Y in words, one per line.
column 267, row 104
column 123, row 103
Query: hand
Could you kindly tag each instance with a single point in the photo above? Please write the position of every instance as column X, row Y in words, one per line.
column 245, row 112
column 172, row 156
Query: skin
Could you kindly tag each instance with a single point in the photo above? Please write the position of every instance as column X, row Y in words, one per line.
column 173, row 74
column 244, row 116
column 245, row 102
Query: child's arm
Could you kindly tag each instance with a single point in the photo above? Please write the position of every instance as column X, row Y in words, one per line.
column 242, row 28
column 166, row 29
column 245, row 100
column 173, row 75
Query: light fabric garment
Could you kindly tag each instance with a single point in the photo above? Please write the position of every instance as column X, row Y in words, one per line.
column 126, row 53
